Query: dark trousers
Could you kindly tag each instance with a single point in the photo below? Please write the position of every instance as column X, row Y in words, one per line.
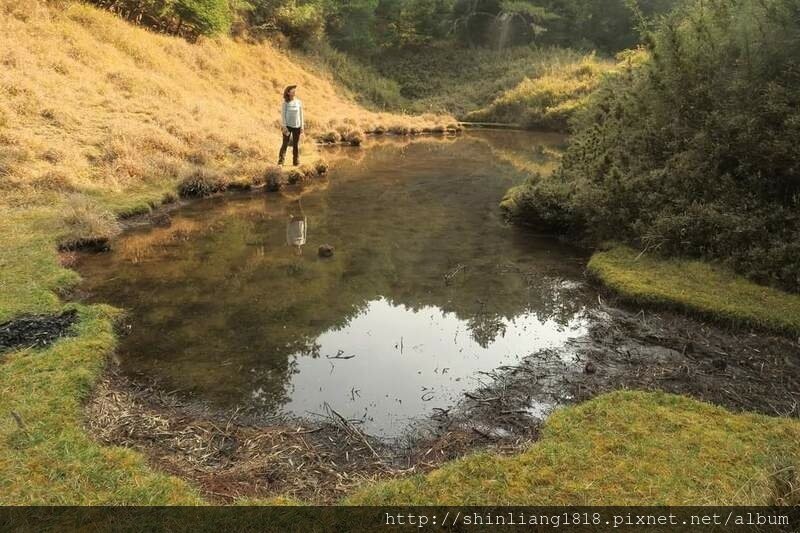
column 294, row 138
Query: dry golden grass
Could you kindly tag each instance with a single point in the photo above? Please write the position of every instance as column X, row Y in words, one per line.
column 91, row 104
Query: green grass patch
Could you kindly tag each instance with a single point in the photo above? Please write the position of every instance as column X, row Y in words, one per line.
column 623, row 448
column 696, row 286
column 50, row 459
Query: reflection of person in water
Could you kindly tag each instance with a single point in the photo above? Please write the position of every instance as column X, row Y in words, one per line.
column 296, row 228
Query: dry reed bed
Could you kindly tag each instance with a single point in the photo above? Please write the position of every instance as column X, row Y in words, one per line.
column 229, row 459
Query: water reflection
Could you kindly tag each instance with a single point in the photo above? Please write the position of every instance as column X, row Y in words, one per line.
column 427, row 288
column 296, row 227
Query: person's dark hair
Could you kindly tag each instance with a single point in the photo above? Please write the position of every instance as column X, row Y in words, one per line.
column 286, row 92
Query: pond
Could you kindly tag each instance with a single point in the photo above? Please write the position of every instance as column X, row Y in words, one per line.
column 231, row 305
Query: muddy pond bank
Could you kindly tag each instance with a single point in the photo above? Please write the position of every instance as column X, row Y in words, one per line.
column 256, row 368
column 322, row 460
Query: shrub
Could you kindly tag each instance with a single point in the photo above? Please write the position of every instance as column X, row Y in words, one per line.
column 187, row 17
column 206, row 17
column 304, row 24
column 693, row 152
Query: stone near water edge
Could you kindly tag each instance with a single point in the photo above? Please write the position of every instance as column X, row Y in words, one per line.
column 163, row 220
column 325, row 250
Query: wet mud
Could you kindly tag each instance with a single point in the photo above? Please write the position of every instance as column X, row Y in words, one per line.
column 637, row 349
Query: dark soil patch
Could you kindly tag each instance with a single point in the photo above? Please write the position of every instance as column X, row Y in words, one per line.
column 36, row 331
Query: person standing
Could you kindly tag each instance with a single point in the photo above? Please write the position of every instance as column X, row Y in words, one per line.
column 292, row 124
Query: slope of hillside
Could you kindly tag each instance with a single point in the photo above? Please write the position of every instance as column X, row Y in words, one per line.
column 91, row 103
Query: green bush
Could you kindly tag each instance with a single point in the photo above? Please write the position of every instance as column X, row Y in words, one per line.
column 695, row 151
column 206, row 17
column 186, row 17
column 303, row 24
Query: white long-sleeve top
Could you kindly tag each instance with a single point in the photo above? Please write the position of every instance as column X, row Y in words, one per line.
column 292, row 113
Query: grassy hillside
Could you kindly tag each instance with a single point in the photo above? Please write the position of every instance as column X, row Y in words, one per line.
column 535, row 87
column 94, row 105
column 549, row 99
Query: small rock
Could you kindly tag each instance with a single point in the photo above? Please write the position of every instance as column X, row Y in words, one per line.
column 590, row 368
column 276, row 181
column 162, row 220
column 325, row 250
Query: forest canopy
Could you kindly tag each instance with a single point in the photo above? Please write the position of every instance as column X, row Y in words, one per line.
column 366, row 26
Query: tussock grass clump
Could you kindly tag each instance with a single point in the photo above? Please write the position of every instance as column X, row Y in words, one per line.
column 202, row 182
column 321, row 167
column 353, row 137
column 85, row 224
column 330, row 137
column 274, row 178
column 697, row 287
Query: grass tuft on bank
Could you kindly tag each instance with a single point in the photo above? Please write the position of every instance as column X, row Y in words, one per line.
column 697, row 287
column 622, row 448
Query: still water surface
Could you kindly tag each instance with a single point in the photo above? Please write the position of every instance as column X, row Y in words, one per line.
column 427, row 288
